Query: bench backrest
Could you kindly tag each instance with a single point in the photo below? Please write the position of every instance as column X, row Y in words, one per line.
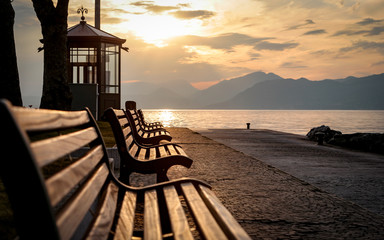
column 124, row 137
column 53, row 189
column 136, row 120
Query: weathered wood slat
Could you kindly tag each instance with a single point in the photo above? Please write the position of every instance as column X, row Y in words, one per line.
column 123, row 121
column 172, row 150
column 204, row 219
column 49, row 150
column 125, row 224
column 152, row 225
column 227, row 221
column 139, row 131
column 101, row 227
column 152, row 153
column 63, row 182
column 133, row 150
column 42, row 120
column 129, row 141
column 68, row 220
column 162, row 151
column 180, row 150
column 119, row 112
column 142, row 153
column 179, row 223
column 127, row 131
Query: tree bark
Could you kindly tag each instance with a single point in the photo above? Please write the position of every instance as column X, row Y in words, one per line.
column 56, row 92
column 9, row 75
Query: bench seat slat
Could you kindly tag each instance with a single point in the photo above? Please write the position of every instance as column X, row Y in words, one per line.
column 172, row 150
column 232, row 227
column 129, row 141
column 127, row 131
column 119, row 112
column 69, row 220
column 204, row 219
column 123, row 121
column 125, row 224
column 142, row 153
column 152, row 225
column 101, row 227
column 49, row 150
column 43, row 120
column 60, row 184
column 133, row 150
column 162, row 151
column 180, row 150
column 152, row 153
column 180, row 226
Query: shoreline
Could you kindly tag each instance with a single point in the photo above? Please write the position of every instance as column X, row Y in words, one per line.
column 268, row 202
column 351, row 174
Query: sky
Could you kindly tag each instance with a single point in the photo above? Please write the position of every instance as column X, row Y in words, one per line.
column 203, row 42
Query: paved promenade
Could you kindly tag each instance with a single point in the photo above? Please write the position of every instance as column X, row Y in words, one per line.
column 270, row 203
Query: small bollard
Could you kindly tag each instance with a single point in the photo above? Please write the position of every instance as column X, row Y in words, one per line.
column 320, row 137
column 248, row 125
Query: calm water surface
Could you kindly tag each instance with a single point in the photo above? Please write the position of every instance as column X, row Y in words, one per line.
column 292, row 121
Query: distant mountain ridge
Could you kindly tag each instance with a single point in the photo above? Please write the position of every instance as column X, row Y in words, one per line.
column 260, row 90
column 227, row 89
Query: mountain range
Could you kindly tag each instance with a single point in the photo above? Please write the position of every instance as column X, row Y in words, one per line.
column 261, row 90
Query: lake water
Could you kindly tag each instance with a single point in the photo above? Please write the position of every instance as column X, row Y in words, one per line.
column 291, row 121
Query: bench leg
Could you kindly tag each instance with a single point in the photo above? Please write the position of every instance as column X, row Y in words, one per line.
column 162, row 175
column 125, row 177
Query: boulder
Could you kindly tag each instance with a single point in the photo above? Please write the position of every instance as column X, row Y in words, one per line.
column 327, row 131
column 371, row 142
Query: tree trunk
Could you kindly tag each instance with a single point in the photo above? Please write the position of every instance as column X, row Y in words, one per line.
column 56, row 92
column 9, row 75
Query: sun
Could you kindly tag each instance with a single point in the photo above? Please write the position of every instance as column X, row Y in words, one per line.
column 157, row 29
column 151, row 26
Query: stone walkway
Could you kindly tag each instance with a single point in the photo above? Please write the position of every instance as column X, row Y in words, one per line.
column 270, row 203
column 352, row 175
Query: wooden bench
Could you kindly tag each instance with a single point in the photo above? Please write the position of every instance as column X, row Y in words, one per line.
column 131, row 105
column 54, row 197
column 136, row 157
column 156, row 135
column 148, row 124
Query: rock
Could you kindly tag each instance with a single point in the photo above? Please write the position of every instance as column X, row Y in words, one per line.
column 328, row 133
column 372, row 142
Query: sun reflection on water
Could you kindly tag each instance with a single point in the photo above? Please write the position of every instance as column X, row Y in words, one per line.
column 165, row 117
column 292, row 121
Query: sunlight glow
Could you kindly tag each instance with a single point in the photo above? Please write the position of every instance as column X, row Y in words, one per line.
column 156, row 29
column 166, row 117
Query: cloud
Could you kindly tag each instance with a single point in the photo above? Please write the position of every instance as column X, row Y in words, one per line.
column 367, row 21
column 349, row 32
column 307, row 22
column 201, row 14
column 149, row 6
column 315, row 32
column 292, row 65
column 371, row 32
column 224, row 41
column 365, row 45
column 376, row 31
column 228, row 41
column 265, row 45
column 358, row 28
column 378, row 63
